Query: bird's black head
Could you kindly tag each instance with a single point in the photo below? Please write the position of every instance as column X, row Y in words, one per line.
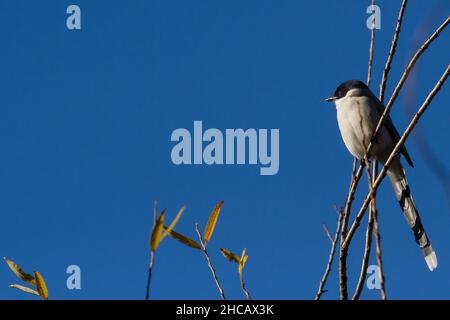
column 345, row 87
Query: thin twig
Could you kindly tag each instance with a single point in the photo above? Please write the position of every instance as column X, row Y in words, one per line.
column 346, row 214
column 374, row 213
column 334, row 241
column 208, row 259
column 394, row 153
column 244, row 289
column 409, row 67
column 365, row 259
column 350, row 196
column 369, row 230
column 379, row 255
column 327, row 232
column 149, row 277
column 387, row 66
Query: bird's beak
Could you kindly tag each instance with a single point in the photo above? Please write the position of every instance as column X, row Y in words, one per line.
column 330, row 99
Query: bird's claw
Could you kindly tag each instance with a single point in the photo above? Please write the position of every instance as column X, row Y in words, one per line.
column 363, row 162
column 373, row 139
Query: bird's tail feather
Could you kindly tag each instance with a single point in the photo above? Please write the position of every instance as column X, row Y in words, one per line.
column 405, row 199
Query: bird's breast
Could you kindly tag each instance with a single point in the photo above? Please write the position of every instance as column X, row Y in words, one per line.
column 356, row 124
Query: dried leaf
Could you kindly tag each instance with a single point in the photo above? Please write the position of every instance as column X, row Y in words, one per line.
column 230, row 256
column 242, row 261
column 25, row 289
column 212, row 222
column 18, row 271
column 183, row 239
column 41, row 286
column 157, row 232
column 174, row 222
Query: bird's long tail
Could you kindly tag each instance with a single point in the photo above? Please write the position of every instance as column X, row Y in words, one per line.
column 405, row 199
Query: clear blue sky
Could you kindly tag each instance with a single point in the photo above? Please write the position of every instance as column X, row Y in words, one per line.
column 85, row 125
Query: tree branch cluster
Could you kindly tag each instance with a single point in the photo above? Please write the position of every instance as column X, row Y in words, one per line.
column 344, row 233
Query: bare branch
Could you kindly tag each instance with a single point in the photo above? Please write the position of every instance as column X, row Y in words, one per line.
column 374, row 213
column 379, row 255
column 408, row 69
column 387, row 66
column 149, row 276
column 334, row 241
column 327, row 232
column 369, row 230
column 365, row 259
column 346, row 215
column 208, row 259
column 244, row 289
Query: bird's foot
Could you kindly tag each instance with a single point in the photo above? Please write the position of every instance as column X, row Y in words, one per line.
column 373, row 139
column 363, row 162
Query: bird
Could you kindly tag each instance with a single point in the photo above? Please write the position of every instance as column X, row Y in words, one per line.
column 358, row 113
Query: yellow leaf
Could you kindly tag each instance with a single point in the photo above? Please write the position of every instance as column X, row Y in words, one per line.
column 25, row 289
column 157, row 232
column 183, row 239
column 41, row 286
column 230, row 256
column 18, row 271
column 174, row 222
column 242, row 261
column 212, row 222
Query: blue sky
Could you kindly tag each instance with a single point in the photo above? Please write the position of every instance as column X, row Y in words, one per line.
column 85, row 125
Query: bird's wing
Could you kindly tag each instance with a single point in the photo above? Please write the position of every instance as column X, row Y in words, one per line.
column 393, row 131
